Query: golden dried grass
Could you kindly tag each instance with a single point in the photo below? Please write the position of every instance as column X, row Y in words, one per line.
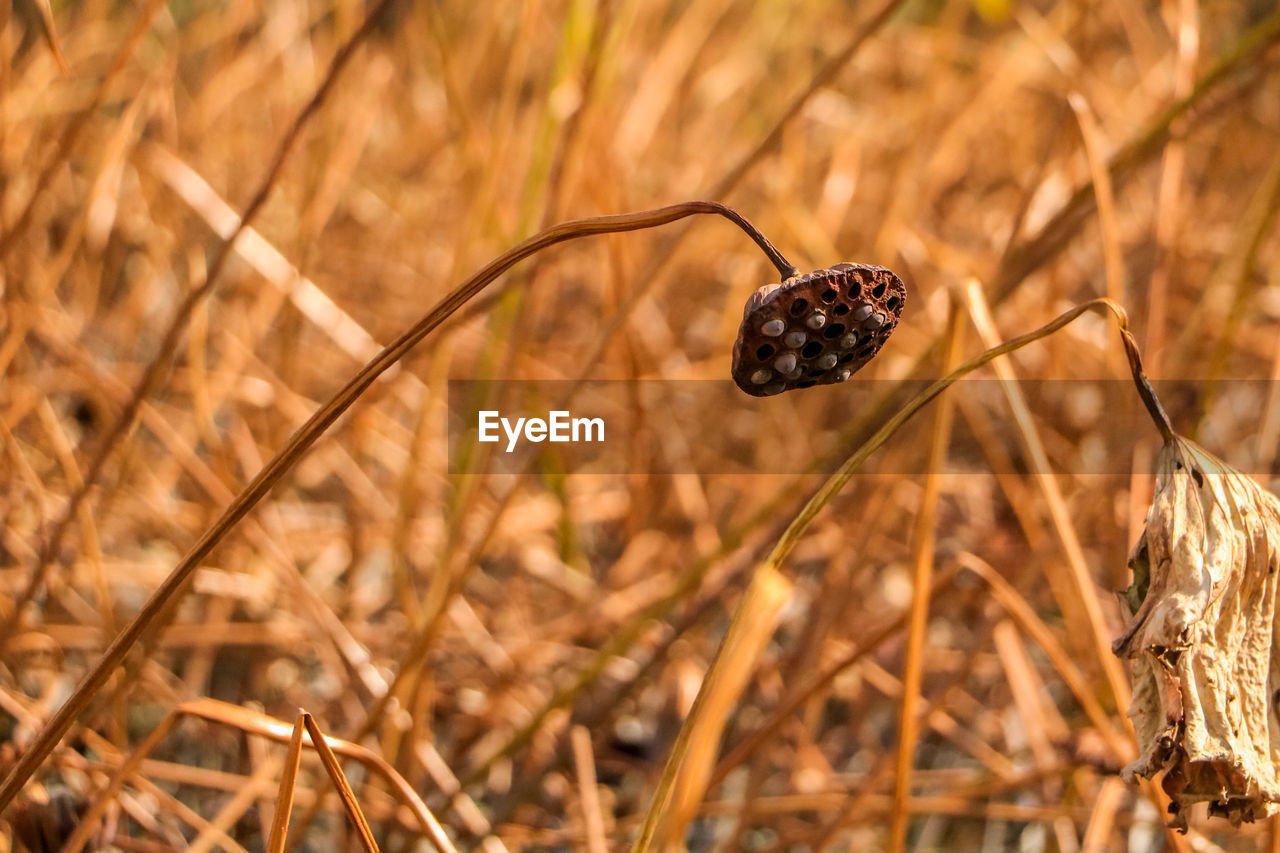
column 933, row 141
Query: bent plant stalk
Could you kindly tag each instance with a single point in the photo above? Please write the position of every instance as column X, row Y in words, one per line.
column 307, row 434
column 661, row 806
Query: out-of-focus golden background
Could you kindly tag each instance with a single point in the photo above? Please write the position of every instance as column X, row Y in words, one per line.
column 539, row 638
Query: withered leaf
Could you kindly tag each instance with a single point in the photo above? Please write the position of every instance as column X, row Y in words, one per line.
column 1202, row 638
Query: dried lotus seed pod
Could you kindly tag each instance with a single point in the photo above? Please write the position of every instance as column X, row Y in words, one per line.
column 822, row 327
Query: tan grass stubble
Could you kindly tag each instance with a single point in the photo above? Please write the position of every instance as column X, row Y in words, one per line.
column 1169, row 204
column 309, row 432
column 684, row 780
column 588, row 795
column 350, row 804
column 1022, row 259
column 155, row 369
column 71, row 134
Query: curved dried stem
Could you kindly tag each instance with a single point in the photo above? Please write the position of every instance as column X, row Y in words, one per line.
column 855, row 462
column 307, row 434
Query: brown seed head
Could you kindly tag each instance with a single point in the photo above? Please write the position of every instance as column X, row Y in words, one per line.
column 815, row 329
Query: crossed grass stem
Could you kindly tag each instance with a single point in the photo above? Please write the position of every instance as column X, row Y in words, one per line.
column 306, row 435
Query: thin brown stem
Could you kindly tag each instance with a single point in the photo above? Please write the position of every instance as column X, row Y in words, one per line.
column 853, row 463
column 307, row 434
column 1145, row 391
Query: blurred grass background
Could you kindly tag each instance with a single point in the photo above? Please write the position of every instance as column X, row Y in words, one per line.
column 454, row 623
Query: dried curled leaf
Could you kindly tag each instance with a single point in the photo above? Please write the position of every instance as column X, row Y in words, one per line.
column 1205, row 664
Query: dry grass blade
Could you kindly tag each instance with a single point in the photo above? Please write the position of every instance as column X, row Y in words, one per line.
column 1172, row 192
column 280, row 732
column 288, row 781
column 688, row 768
column 1030, row 623
column 825, row 77
column 347, row 334
column 349, row 802
column 924, row 539
column 1241, row 273
column 1103, row 817
column 1104, row 193
column 588, row 796
column 126, row 770
column 254, row 788
column 792, row 703
column 1204, row 601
